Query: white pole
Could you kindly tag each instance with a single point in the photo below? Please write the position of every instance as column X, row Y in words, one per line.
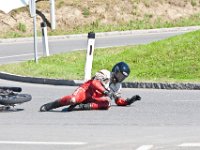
column 35, row 30
column 89, row 55
column 53, row 18
column 45, row 39
column 32, row 8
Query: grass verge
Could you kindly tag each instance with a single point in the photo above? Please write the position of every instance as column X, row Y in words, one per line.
column 175, row 59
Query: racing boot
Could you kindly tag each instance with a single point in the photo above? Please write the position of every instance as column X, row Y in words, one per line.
column 133, row 99
column 51, row 105
column 71, row 107
column 85, row 106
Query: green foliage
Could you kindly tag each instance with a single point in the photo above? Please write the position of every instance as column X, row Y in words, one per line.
column 21, row 27
column 86, row 12
column 14, row 34
column 60, row 4
column 173, row 59
column 193, row 2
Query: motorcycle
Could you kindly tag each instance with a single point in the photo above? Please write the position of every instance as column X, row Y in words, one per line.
column 11, row 96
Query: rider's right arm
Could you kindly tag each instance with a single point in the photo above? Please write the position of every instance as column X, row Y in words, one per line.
column 115, row 88
column 96, row 84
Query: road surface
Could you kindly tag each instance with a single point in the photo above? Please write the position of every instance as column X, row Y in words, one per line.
column 164, row 119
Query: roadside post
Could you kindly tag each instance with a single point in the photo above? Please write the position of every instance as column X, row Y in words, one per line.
column 53, row 18
column 89, row 55
column 45, row 39
column 32, row 8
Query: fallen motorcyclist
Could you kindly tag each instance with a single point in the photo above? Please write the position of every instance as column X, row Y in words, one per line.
column 93, row 92
column 97, row 93
column 119, row 73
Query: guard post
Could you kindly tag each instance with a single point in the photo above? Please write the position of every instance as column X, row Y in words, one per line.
column 32, row 8
column 89, row 55
column 53, row 18
column 45, row 39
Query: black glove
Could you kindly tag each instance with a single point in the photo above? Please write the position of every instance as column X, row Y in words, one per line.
column 108, row 93
column 133, row 99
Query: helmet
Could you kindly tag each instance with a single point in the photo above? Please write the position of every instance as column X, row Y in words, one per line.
column 104, row 76
column 120, row 71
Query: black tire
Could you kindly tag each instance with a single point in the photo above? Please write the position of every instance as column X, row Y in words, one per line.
column 14, row 89
column 13, row 99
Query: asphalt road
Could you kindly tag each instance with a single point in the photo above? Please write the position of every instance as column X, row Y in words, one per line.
column 164, row 119
column 22, row 49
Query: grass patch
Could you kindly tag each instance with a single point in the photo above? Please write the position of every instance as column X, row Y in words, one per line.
column 174, row 59
column 21, row 27
column 86, row 12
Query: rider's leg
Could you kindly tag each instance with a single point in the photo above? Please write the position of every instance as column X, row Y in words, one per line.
column 51, row 105
column 95, row 106
column 77, row 97
column 104, row 104
column 100, row 105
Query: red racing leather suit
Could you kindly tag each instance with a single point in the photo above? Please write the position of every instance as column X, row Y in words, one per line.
column 89, row 92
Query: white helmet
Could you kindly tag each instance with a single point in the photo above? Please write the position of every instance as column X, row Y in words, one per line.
column 104, row 76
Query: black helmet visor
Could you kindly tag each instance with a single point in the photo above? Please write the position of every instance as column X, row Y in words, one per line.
column 119, row 76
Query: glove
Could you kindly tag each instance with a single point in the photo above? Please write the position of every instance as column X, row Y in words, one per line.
column 108, row 93
column 116, row 95
column 133, row 99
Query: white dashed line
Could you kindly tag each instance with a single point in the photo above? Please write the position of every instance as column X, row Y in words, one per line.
column 190, row 145
column 20, row 55
column 145, row 147
column 41, row 143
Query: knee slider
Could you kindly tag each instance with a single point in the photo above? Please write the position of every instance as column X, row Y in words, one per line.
column 72, row 101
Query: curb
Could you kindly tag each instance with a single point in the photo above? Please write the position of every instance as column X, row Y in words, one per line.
column 147, row 85
column 13, row 77
column 103, row 34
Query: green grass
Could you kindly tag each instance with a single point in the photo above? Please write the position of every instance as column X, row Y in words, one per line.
column 21, row 27
column 175, row 59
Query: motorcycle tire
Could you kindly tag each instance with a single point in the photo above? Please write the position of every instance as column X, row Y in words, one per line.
column 14, row 89
column 13, row 99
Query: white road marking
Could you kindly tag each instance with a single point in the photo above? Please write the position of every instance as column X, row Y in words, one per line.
column 189, row 100
column 190, row 145
column 41, row 143
column 20, row 55
column 145, row 147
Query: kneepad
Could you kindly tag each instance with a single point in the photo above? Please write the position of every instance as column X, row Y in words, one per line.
column 73, row 101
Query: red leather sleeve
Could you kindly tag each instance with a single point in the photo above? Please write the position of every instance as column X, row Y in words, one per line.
column 96, row 85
